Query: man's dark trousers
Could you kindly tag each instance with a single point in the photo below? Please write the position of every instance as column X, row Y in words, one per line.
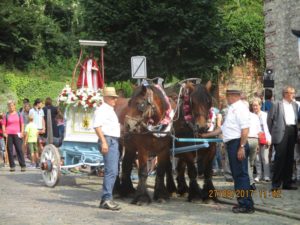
column 239, row 170
column 284, row 158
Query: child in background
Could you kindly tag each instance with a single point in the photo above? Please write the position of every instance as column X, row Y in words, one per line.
column 31, row 138
column 60, row 123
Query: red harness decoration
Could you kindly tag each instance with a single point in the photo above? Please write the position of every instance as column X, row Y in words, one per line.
column 186, row 107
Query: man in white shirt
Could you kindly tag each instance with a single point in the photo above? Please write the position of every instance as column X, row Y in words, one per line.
column 282, row 123
column 235, row 131
column 107, row 127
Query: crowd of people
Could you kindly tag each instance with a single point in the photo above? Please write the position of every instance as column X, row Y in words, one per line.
column 23, row 132
column 260, row 134
column 260, row 140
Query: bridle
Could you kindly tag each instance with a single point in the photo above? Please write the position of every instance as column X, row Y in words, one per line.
column 147, row 107
column 192, row 121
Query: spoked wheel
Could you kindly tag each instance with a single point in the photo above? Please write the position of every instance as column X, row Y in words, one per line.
column 50, row 165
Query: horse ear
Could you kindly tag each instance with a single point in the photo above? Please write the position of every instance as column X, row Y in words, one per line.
column 208, row 85
column 144, row 89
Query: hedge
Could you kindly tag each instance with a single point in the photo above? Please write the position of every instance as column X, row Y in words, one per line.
column 31, row 88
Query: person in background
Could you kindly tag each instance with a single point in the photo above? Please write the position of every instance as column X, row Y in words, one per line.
column 25, row 113
column 216, row 122
column 254, row 130
column 267, row 104
column 296, row 174
column 38, row 118
column 60, row 122
column 53, row 112
column 108, row 130
column 282, row 123
column 262, row 157
column 2, row 141
column 13, row 130
column 25, row 101
column 31, row 138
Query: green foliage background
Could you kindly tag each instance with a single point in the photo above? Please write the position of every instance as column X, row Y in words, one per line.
column 192, row 38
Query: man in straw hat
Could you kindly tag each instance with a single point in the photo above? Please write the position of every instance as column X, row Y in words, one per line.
column 235, row 131
column 107, row 127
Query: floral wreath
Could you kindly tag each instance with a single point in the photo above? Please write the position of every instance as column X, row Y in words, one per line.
column 84, row 97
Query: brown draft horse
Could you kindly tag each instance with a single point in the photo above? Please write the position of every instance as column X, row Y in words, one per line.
column 193, row 115
column 146, row 108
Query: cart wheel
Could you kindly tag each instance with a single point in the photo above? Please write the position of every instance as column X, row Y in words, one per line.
column 50, row 165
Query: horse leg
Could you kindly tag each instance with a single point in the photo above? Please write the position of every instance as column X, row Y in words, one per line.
column 126, row 183
column 208, row 160
column 142, row 195
column 160, row 191
column 171, row 187
column 182, row 187
column 194, row 188
column 117, row 187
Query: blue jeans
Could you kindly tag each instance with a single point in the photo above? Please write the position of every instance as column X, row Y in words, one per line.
column 217, row 162
column 239, row 170
column 111, row 161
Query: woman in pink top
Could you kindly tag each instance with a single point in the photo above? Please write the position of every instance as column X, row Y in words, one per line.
column 13, row 130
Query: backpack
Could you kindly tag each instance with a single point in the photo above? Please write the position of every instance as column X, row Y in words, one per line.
column 19, row 120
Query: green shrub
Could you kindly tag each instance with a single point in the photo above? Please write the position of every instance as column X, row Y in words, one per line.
column 31, row 88
column 125, row 86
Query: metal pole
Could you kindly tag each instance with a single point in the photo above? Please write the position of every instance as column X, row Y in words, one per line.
column 102, row 63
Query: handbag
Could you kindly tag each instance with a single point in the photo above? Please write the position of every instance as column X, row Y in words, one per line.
column 262, row 138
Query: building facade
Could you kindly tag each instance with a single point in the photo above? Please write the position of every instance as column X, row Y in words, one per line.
column 282, row 43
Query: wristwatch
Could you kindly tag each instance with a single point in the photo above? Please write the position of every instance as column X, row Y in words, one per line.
column 242, row 146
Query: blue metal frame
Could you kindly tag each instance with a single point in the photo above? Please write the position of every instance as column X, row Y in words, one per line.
column 80, row 153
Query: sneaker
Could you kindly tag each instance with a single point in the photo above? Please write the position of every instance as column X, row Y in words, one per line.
column 23, row 169
column 267, row 179
column 240, row 209
column 109, row 204
column 256, row 179
column 253, row 187
column 12, row 169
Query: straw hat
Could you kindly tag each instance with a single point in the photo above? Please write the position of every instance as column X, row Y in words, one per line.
column 233, row 91
column 233, row 88
column 109, row 92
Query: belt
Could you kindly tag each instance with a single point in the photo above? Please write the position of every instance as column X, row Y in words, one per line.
column 111, row 137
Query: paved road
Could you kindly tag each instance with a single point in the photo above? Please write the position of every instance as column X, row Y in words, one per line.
column 25, row 200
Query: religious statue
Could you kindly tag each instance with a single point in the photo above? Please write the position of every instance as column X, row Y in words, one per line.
column 90, row 75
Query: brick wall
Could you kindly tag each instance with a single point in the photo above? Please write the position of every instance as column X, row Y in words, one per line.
column 245, row 77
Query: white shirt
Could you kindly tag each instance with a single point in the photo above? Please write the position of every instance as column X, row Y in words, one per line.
column 263, row 124
column 255, row 127
column 237, row 118
column 106, row 118
column 289, row 113
column 38, row 116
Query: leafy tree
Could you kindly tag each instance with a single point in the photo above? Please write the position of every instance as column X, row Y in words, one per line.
column 177, row 37
column 29, row 31
column 244, row 21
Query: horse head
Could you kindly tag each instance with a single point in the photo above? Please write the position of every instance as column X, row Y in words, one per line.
column 147, row 107
column 197, row 102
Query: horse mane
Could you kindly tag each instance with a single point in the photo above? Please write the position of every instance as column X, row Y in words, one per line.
column 139, row 91
column 202, row 95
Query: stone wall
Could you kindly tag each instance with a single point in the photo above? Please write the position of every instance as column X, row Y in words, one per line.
column 282, row 53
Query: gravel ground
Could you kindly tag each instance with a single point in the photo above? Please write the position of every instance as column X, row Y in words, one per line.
column 26, row 200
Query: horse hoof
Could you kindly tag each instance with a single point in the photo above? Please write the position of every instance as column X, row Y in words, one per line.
column 173, row 195
column 161, row 200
